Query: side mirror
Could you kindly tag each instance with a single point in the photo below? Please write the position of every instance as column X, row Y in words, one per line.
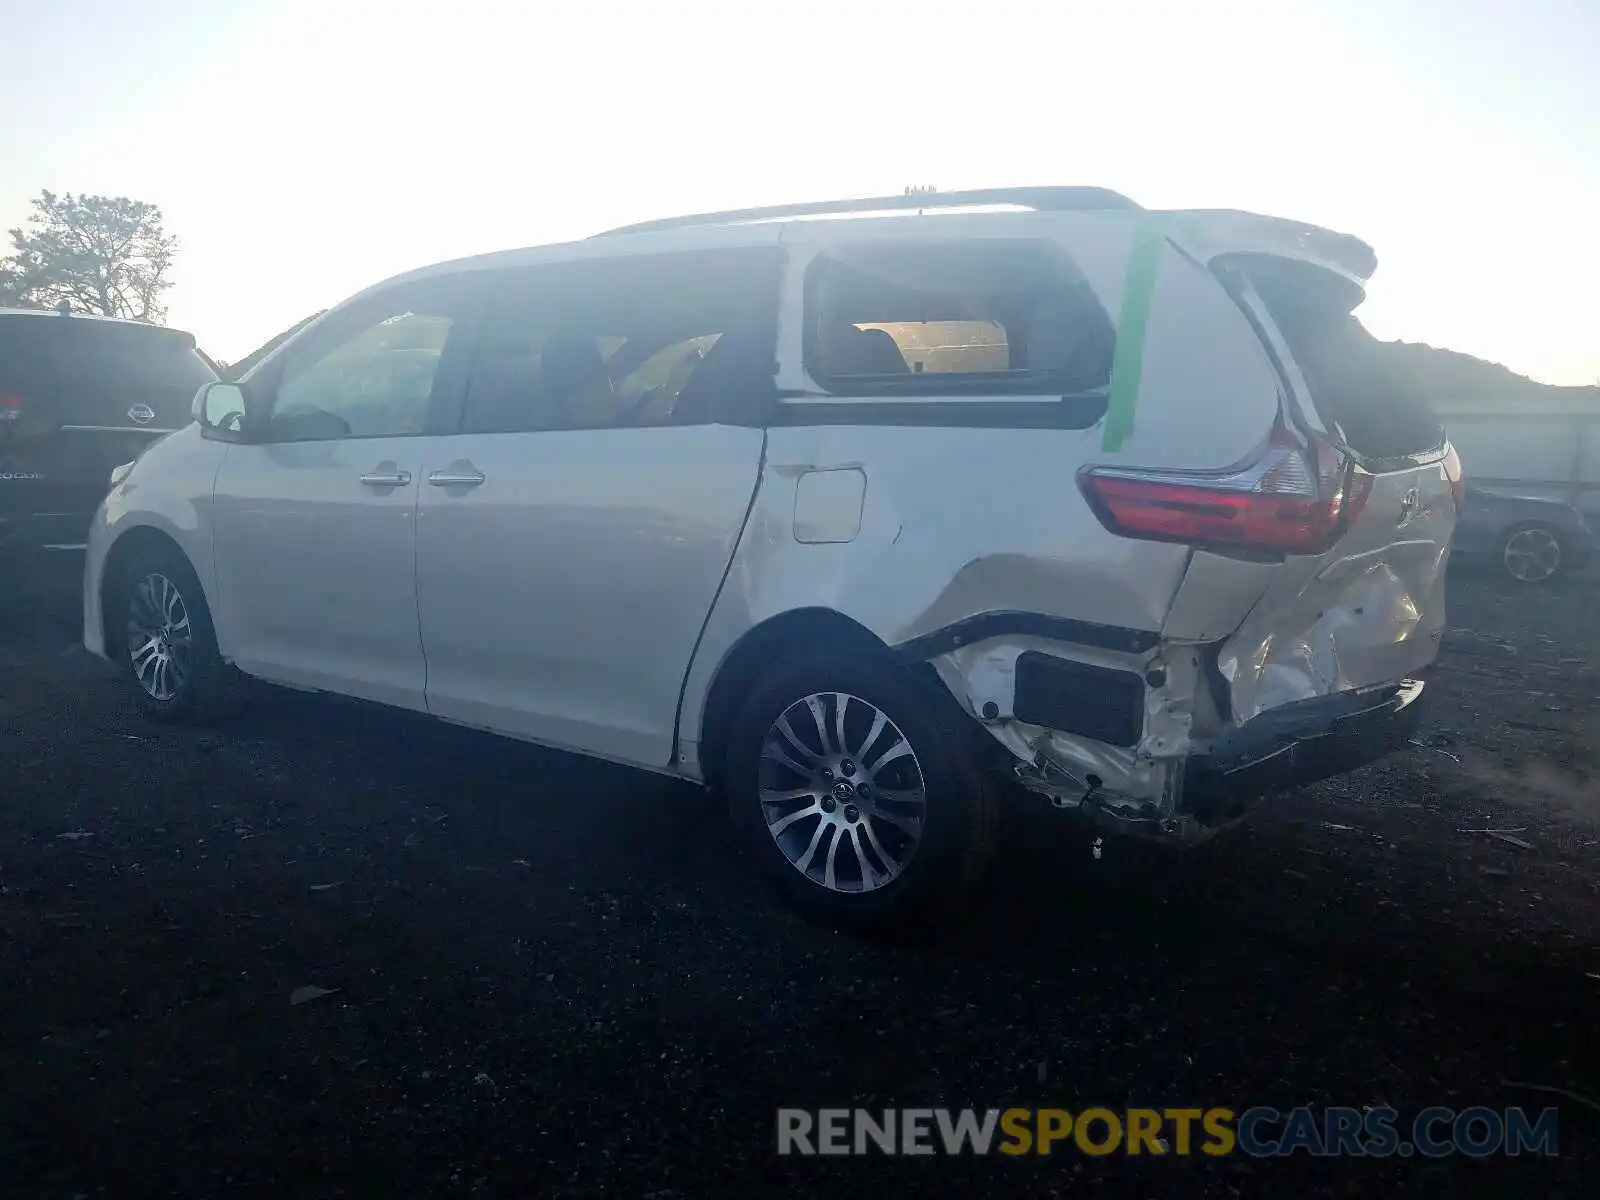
column 220, row 408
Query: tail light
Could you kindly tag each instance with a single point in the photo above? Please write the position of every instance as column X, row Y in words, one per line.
column 1293, row 499
column 1452, row 472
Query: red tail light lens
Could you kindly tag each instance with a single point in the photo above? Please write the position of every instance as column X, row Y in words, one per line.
column 1294, row 499
column 1452, row 472
column 10, row 407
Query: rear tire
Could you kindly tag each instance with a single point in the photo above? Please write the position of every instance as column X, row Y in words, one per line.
column 168, row 644
column 859, row 789
column 1533, row 553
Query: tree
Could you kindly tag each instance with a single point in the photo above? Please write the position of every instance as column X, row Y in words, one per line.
column 99, row 254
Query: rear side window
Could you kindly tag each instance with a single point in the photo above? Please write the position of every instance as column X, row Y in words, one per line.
column 952, row 319
column 949, row 347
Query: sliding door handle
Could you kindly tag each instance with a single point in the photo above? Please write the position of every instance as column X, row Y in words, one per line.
column 386, row 478
column 456, row 478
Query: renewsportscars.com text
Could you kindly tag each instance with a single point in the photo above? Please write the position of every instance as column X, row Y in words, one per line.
column 1258, row 1132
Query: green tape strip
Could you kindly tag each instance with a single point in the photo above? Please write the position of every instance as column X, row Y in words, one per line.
column 1127, row 362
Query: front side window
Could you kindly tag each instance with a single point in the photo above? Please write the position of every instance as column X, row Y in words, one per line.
column 675, row 339
column 954, row 318
column 372, row 375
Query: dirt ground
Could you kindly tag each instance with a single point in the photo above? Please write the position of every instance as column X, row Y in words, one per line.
column 540, row 976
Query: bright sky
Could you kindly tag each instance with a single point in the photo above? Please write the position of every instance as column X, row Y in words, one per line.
column 302, row 149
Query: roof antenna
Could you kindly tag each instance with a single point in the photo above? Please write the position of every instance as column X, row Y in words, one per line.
column 64, row 307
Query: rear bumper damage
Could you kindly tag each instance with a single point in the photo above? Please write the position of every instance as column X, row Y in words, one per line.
column 1262, row 677
column 1142, row 738
column 1299, row 744
column 1215, row 785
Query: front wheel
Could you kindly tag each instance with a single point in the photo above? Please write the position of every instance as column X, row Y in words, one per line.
column 858, row 788
column 169, row 649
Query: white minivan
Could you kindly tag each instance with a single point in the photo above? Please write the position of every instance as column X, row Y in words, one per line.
column 864, row 522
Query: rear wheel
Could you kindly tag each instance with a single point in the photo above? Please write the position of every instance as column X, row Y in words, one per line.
column 1532, row 553
column 858, row 788
column 169, row 649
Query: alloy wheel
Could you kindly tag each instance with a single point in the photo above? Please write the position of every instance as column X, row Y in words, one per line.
column 842, row 792
column 160, row 640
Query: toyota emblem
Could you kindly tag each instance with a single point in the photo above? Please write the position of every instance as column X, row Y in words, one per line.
column 1409, row 503
column 141, row 414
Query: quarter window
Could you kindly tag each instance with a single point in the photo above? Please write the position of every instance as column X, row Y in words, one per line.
column 949, row 347
column 954, row 318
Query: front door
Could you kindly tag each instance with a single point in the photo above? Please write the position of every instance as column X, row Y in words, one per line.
column 573, row 535
column 315, row 514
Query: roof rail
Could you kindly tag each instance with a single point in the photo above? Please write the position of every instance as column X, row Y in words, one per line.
column 1053, row 199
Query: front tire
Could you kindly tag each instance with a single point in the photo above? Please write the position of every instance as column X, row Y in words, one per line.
column 859, row 789
column 169, row 646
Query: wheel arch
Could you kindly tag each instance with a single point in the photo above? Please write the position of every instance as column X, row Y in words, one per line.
column 760, row 646
column 124, row 550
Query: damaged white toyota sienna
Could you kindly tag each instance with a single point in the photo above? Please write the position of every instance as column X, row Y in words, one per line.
column 864, row 522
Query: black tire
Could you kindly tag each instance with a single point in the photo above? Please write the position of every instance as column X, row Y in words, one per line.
column 960, row 817
column 210, row 689
column 1541, row 536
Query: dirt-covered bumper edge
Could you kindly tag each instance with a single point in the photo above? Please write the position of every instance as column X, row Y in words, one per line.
column 1298, row 744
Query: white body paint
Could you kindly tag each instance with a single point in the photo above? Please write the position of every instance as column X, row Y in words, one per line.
column 587, row 595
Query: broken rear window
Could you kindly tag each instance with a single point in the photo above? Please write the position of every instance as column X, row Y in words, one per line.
column 954, row 318
column 957, row 347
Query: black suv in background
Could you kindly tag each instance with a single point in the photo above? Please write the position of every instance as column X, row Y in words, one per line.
column 80, row 395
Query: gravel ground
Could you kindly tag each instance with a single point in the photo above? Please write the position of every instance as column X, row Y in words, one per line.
column 546, row 976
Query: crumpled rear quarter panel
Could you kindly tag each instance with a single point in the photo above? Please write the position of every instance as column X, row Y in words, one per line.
column 1368, row 613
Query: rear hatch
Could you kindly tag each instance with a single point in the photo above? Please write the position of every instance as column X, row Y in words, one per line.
column 1319, row 567
column 78, row 396
column 1371, row 610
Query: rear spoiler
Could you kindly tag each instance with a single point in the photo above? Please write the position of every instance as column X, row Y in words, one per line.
column 1222, row 237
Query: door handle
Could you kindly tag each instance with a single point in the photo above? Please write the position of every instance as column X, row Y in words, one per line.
column 386, row 478
column 456, row 478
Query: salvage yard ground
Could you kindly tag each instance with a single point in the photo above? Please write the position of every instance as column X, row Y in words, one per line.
column 333, row 951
